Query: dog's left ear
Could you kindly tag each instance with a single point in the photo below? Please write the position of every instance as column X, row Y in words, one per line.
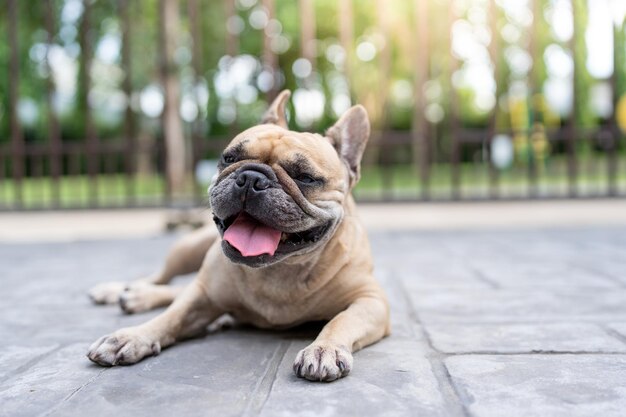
column 275, row 113
column 349, row 137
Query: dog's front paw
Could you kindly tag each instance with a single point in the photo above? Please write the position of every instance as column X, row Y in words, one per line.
column 107, row 293
column 323, row 362
column 124, row 347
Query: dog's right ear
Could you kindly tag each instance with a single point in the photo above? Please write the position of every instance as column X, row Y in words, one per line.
column 275, row 113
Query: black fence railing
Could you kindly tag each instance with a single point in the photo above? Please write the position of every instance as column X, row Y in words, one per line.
column 115, row 103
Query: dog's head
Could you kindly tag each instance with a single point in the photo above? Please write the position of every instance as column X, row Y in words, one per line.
column 280, row 193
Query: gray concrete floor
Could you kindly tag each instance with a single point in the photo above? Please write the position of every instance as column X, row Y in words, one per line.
column 485, row 323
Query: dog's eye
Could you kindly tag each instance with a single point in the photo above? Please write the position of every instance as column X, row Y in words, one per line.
column 305, row 179
column 228, row 159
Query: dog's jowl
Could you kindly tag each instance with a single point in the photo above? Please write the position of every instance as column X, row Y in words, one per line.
column 286, row 248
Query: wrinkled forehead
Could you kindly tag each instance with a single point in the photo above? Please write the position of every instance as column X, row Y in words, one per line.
column 272, row 144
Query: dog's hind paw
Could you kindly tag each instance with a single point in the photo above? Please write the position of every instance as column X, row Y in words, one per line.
column 123, row 347
column 323, row 362
column 138, row 298
column 107, row 293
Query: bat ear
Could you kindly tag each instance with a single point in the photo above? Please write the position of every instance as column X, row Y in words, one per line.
column 349, row 137
column 275, row 113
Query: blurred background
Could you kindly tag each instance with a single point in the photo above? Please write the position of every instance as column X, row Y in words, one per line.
column 128, row 103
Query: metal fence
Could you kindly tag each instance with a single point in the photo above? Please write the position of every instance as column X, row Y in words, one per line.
column 437, row 155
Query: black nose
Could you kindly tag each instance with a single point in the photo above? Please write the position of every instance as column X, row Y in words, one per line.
column 252, row 180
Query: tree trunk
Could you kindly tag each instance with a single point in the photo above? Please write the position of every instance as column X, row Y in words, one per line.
column 172, row 124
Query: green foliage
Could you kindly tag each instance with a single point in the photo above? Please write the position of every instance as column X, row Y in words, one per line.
column 368, row 84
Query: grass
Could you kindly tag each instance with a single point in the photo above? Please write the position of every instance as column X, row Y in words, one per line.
column 397, row 182
column 403, row 182
column 79, row 191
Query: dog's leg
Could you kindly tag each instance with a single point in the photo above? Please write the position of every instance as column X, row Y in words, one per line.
column 188, row 316
column 185, row 257
column 329, row 357
column 144, row 297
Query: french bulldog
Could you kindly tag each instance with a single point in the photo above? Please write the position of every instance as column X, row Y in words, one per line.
column 287, row 247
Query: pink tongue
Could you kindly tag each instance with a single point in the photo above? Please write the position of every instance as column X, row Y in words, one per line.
column 252, row 238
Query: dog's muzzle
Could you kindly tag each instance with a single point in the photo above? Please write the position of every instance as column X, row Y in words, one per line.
column 253, row 179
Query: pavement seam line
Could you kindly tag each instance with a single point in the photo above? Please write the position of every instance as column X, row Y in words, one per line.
column 34, row 361
column 461, row 395
column 482, row 277
column 533, row 352
column 257, row 398
column 73, row 393
column 533, row 321
column 615, row 334
column 436, row 358
column 605, row 275
column 413, row 314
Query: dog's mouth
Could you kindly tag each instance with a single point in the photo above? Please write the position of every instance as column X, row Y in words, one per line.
column 252, row 238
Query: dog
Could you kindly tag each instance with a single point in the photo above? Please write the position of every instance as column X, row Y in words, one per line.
column 286, row 248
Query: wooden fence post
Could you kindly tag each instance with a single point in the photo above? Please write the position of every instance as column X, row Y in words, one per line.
column 169, row 29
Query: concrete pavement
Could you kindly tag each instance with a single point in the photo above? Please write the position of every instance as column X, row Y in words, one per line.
column 500, row 322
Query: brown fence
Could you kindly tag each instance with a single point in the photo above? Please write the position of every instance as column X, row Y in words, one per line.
column 437, row 155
